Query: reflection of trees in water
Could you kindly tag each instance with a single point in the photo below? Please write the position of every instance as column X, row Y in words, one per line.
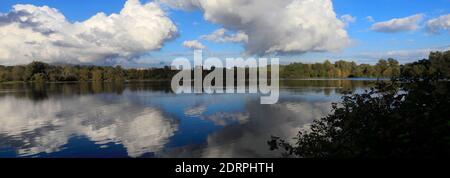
column 326, row 87
column 41, row 91
column 347, row 84
column 162, row 86
column 38, row 92
column 33, row 91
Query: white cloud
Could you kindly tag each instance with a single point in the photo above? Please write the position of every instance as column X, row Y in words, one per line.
column 347, row 19
column 221, row 36
column 194, row 44
column 281, row 26
column 398, row 24
column 370, row 19
column 42, row 33
column 404, row 56
column 438, row 24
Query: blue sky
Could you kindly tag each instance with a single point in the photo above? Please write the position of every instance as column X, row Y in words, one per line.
column 383, row 10
column 366, row 45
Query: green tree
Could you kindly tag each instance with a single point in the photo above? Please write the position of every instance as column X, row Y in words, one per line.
column 17, row 73
column 119, row 74
column 70, row 73
column 108, row 74
column 39, row 78
column 97, row 75
column 394, row 67
column 381, row 68
column 34, row 68
column 54, row 74
column 3, row 74
column 329, row 68
column 132, row 74
column 83, row 75
column 440, row 62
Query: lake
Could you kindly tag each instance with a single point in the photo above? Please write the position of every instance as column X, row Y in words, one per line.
column 145, row 119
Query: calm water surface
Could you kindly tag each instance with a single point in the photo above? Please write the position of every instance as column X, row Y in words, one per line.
column 145, row 119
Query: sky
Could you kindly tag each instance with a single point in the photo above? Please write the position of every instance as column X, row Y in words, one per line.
column 141, row 33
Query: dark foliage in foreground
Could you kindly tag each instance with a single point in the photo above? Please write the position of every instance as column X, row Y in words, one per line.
column 404, row 118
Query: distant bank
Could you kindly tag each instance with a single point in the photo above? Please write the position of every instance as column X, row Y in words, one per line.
column 384, row 69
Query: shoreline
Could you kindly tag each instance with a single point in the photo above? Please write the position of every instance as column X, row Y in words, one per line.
column 164, row 80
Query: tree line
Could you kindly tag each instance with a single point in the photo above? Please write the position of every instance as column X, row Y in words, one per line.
column 342, row 69
column 42, row 72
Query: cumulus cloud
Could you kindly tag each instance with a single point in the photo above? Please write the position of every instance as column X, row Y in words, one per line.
column 282, row 26
column 398, row 24
column 347, row 18
column 194, row 44
column 436, row 25
column 30, row 33
column 222, row 36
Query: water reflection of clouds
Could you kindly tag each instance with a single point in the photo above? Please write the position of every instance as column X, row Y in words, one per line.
column 224, row 119
column 218, row 118
column 195, row 111
column 144, row 120
column 47, row 126
column 248, row 136
column 245, row 125
column 250, row 139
